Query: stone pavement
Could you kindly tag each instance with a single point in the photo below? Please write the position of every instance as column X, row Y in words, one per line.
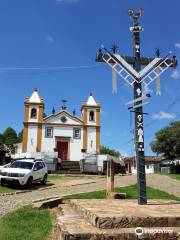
column 117, row 220
column 127, row 213
column 83, row 184
column 164, row 183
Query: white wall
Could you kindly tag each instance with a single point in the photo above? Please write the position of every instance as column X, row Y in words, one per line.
column 32, row 138
column 19, row 150
column 48, row 144
column 75, row 146
column 148, row 170
column 91, row 146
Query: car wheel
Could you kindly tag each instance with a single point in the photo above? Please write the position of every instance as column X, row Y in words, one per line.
column 44, row 180
column 29, row 182
column 2, row 182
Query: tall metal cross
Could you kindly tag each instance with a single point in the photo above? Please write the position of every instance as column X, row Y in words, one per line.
column 129, row 68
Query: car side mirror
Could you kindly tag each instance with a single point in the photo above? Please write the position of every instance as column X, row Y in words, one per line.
column 35, row 169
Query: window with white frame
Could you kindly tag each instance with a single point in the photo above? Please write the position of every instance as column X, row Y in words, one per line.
column 49, row 132
column 77, row 133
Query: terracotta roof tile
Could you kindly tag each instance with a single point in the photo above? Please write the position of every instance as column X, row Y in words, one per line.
column 147, row 159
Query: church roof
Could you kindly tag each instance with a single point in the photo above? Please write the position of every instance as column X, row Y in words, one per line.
column 63, row 112
column 91, row 101
column 35, row 98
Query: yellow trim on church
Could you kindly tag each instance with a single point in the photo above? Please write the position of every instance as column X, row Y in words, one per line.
column 25, row 131
column 84, row 111
column 39, row 130
column 39, row 123
column 98, row 130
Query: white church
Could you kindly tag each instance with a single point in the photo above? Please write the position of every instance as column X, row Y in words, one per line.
column 63, row 132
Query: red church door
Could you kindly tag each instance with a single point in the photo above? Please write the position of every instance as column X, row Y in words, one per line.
column 62, row 148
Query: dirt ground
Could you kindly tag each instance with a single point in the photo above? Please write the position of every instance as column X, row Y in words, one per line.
column 70, row 185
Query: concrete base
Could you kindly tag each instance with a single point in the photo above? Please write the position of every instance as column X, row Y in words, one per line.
column 117, row 219
column 50, row 203
column 127, row 213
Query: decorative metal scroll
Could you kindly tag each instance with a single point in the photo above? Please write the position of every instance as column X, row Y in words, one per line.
column 147, row 75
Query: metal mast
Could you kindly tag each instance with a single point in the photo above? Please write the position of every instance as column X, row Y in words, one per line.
column 129, row 68
column 139, row 128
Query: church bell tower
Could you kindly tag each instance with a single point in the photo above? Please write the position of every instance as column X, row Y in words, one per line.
column 33, row 119
column 91, row 128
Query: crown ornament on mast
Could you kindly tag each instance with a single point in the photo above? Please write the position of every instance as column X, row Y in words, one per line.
column 123, row 65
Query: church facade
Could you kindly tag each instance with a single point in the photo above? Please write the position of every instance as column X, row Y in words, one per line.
column 62, row 132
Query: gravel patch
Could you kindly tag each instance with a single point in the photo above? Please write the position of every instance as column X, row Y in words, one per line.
column 9, row 203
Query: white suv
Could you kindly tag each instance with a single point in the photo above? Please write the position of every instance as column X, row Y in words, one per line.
column 24, row 172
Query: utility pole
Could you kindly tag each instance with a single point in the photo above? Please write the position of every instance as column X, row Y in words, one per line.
column 129, row 68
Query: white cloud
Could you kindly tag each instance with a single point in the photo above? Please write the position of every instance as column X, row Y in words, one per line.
column 164, row 115
column 67, row 1
column 176, row 74
column 50, row 39
column 177, row 45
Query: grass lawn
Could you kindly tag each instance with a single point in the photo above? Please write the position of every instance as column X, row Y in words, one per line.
column 25, row 224
column 55, row 177
column 6, row 189
column 131, row 193
column 174, row 176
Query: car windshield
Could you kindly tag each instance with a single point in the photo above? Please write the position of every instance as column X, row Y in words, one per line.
column 21, row 164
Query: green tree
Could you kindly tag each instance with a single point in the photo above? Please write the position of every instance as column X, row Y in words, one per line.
column 1, row 140
column 167, row 141
column 10, row 136
column 107, row 150
column 20, row 137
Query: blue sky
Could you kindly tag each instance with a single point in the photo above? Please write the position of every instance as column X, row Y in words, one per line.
column 67, row 33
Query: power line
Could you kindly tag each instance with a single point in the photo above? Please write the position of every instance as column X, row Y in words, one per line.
column 125, row 143
column 132, row 139
column 19, row 71
column 48, row 68
column 168, row 124
column 167, row 109
column 173, row 103
column 148, row 124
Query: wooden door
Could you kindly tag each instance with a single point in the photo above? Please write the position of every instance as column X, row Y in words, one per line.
column 62, row 148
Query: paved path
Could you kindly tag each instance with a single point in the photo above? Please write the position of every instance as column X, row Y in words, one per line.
column 83, row 184
column 164, row 183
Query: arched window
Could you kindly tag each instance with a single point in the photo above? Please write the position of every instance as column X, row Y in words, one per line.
column 33, row 113
column 91, row 116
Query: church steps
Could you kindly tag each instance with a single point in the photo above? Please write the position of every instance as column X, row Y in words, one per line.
column 69, row 167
